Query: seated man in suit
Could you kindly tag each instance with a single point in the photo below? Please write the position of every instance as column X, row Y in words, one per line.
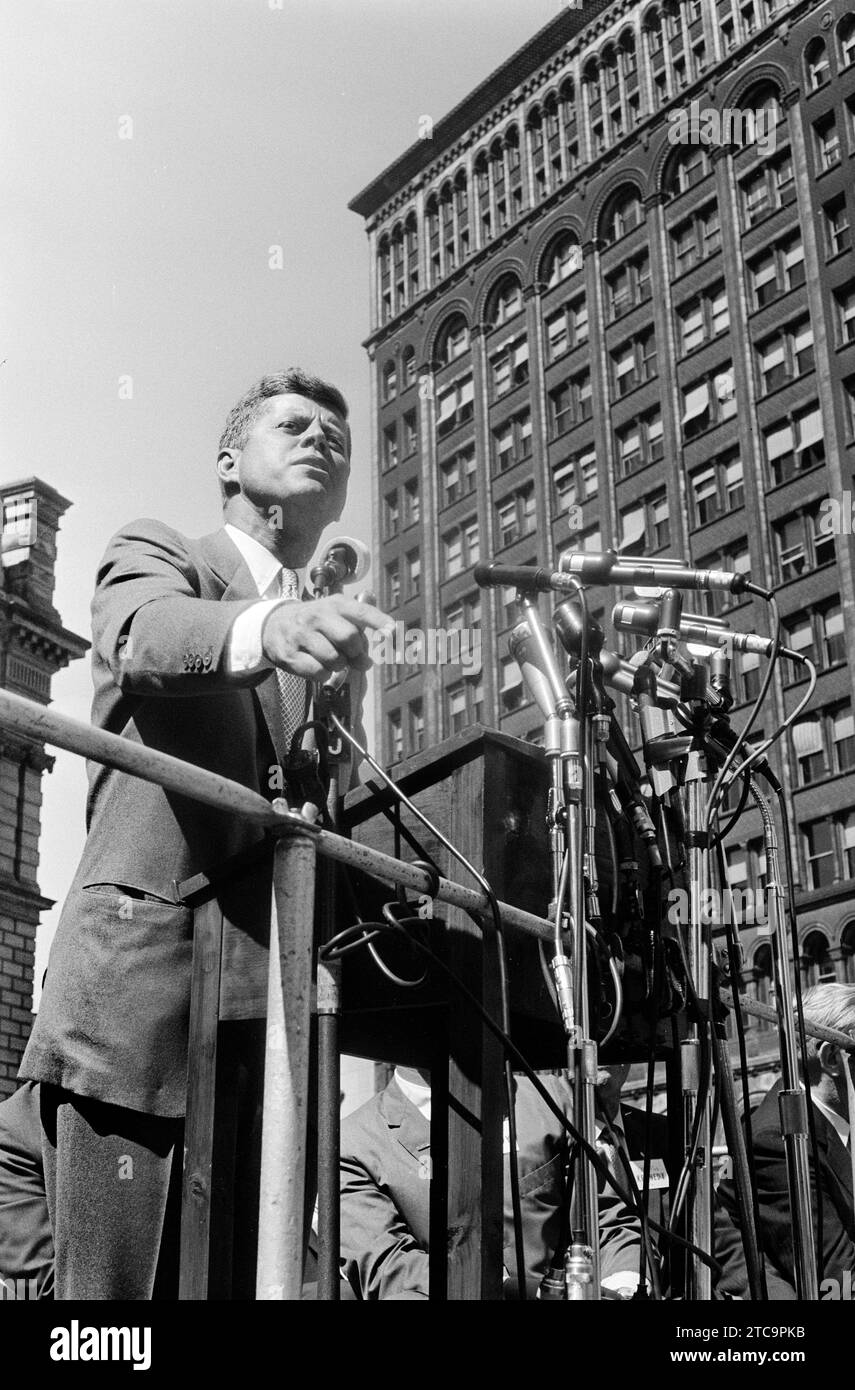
column 201, row 648
column 26, row 1243
column 829, row 1006
column 385, row 1186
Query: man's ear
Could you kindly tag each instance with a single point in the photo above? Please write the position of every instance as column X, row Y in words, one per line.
column 228, row 466
column 829, row 1058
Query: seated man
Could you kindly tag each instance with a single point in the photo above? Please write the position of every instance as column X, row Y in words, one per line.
column 26, row 1243
column 829, row 1006
column 385, row 1186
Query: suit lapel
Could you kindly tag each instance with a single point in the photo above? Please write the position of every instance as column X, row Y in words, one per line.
column 406, row 1122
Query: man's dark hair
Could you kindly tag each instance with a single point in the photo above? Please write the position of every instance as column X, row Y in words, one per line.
column 292, row 381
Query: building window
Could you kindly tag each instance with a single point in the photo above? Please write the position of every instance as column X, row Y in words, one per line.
column 714, row 602
column 391, row 515
column 816, row 64
column 824, row 743
column 696, row 238
column 645, row 525
column 511, row 691
column 458, row 476
column 634, row 362
column 837, row 232
column 415, row 726
column 509, row 367
column 408, row 367
column 717, row 489
column 512, row 441
column 455, row 405
column 564, row 260
column 390, row 381
column 393, row 585
column 567, row 328
column 628, row 286
column 802, row 544
column 703, row 317
column 412, row 505
column 515, row 516
column 794, row 445
column 395, row 736
column 827, row 143
column 390, row 446
column 623, row 215
column 414, row 574
column 507, row 302
column 453, row 340
column 845, row 304
column 785, row 355
column 411, row 434
column 689, row 166
column 766, row 189
column 461, row 548
column 709, row 402
column 639, row 443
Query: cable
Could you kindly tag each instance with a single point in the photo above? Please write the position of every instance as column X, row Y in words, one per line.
column 785, row 725
column 730, row 758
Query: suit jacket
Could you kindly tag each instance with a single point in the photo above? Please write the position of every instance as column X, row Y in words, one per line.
column 114, row 1012
column 385, row 1195
column 26, row 1240
column 831, row 1176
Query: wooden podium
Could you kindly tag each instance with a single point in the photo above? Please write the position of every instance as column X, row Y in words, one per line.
column 487, row 793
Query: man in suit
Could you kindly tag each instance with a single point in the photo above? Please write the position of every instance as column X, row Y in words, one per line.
column 385, row 1186
column 829, row 1006
column 26, row 1243
column 201, row 648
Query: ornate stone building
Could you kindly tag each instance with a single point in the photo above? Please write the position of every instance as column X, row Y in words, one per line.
column 33, row 645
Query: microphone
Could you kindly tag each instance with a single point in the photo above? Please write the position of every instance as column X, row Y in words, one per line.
column 606, row 568
column 343, row 561
column 668, row 626
column 539, row 670
column 611, row 569
column 620, row 675
column 645, row 618
column 529, row 578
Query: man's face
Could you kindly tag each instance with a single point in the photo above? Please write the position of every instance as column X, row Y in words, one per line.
column 297, row 457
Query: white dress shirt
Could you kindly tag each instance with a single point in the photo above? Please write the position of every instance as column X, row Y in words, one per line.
column 245, row 648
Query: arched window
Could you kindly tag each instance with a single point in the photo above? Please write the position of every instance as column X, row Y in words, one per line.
column 500, row 191
column 608, row 65
column 626, row 54
column 482, row 193
column 398, row 266
column 433, row 238
column 390, row 381
column 765, row 98
column 687, row 166
column 564, row 260
column 816, row 64
column 537, row 145
column 453, row 339
column 622, row 214
column 569, row 125
column 653, row 31
column 514, row 164
column 411, row 250
column 846, row 40
column 384, row 266
column 505, row 301
column 817, row 965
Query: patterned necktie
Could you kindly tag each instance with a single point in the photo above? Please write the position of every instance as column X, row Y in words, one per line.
column 292, row 689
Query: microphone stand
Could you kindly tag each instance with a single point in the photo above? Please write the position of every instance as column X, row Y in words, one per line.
column 573, row 877
column 792, row 1098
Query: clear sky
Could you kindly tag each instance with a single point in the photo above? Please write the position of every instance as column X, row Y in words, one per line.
column 251, row 125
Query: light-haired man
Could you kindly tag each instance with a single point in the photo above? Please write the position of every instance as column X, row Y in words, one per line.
column 830, row 1070
column 201, row 648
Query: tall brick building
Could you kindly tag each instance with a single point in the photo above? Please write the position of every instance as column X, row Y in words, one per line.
column 33, row 645
column 586, row 332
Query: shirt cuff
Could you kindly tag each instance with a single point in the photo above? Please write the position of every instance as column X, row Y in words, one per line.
column 245, row 650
